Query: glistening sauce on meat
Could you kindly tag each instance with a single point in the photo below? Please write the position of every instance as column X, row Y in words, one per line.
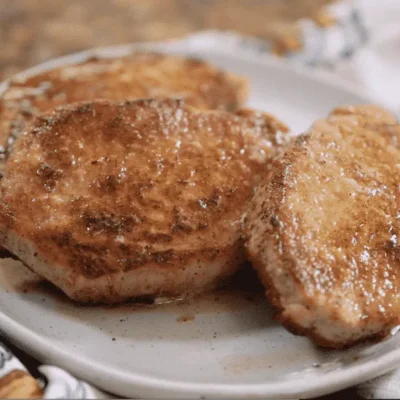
column 324, row 229
column 242, row 291
column 105, row 192
column 140, row 75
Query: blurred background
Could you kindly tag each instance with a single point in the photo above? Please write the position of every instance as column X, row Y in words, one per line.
column 32, row 31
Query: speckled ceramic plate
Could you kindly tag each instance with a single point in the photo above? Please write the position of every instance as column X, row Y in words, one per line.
column 223, row 345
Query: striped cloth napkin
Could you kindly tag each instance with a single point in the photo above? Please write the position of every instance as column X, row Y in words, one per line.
column 358, row 41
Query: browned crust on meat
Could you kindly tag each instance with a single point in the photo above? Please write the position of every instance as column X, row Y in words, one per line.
column 118, row 187
column 293, row 326
column 279, row 266
column 140, row 75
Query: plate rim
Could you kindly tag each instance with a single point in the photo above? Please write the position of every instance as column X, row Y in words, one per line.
column 292, row 388
column 47, row 351
column 222, row 42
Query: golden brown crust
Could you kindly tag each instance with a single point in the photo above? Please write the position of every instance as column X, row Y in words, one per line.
column 19, row 384
column 103, row 188
column 140, row 75
column 322, row 229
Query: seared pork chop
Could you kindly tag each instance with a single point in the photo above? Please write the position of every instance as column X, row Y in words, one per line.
column 323, row 229
column 143, row 198
column 140, row 75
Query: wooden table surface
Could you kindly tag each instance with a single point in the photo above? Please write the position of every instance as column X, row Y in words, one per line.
column 32, row 31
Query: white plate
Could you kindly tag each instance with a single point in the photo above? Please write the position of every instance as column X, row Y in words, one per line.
column 232, row 348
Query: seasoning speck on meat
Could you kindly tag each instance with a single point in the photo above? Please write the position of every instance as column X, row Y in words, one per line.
column 322, row 229
column 141, row 198
column 139, row 75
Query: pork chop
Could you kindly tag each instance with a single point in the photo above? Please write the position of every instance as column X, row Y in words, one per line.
column 143, row 198
column 140, row 75
column 323, row 229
